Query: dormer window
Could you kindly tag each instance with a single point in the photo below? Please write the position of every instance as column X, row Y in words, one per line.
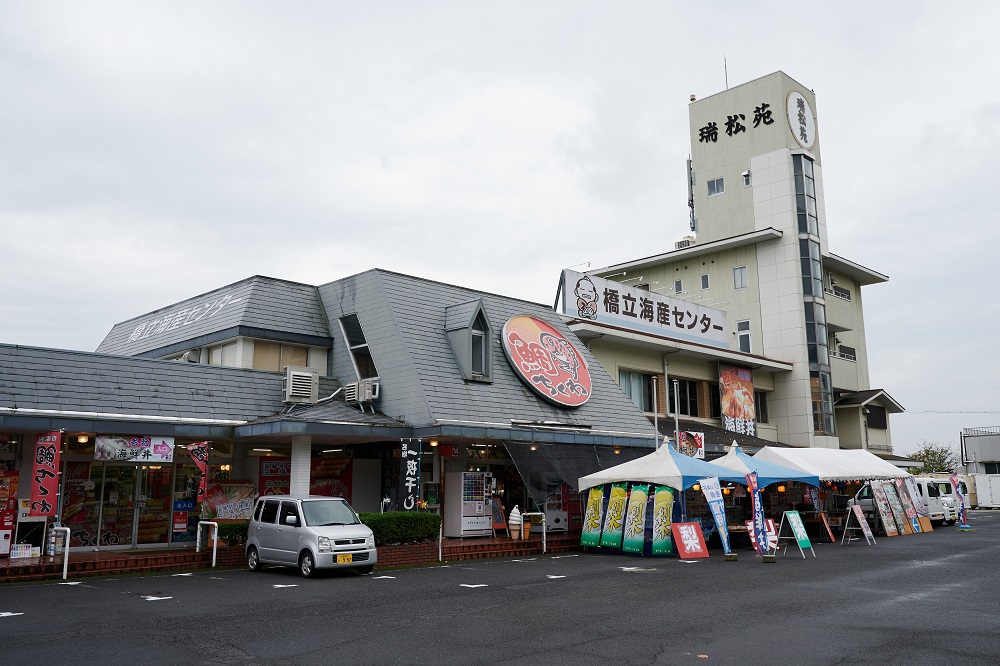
column 479, row 330
column 469, row 334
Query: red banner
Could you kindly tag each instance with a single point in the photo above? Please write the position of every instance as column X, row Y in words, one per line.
column 45, row 474
column 199, row 454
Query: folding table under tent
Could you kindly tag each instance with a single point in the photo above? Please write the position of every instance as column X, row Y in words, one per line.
column 767, row 472
column 663, row 467
column 833, row 464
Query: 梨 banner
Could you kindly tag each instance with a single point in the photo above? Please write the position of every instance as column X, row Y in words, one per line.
column 635, row 520
column 199, row 454
column 591, row 535
column 738, row 411
column 45, row 474
column 663, row 506
column 614, row 519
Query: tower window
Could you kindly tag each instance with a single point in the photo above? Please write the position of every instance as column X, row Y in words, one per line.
column 716, row 186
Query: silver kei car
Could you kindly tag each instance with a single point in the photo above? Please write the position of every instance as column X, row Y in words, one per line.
column 309, row 532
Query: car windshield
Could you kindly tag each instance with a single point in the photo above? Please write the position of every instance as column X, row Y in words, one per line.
column 329, row 512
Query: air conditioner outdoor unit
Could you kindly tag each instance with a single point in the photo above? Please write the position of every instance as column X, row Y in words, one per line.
column 367, row 390
column 687, row 241
column 300, row 385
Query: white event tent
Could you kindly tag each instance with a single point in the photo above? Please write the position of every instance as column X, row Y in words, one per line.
column 833, row 464
column 663, row 467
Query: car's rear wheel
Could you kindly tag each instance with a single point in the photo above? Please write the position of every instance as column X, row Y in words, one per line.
column 364, row 571
column 253, row 559
column 307, row 567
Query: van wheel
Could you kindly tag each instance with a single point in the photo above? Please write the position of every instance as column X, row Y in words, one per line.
column 364, row 571
column 253, row 559
column 307, row 567
column 952, row 521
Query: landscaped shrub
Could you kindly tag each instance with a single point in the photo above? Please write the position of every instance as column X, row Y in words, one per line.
column 234, row 533
column 402, row 526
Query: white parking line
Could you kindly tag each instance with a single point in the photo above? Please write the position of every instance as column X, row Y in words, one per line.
column 530, row 559
column 635, row 569
column 7, row 614
column 559, row 557
column 277, row 586
column 76, row 582
column 382, row 577
column 185, row 574
column 551, row 576
column 479, row 585
column 150, row 597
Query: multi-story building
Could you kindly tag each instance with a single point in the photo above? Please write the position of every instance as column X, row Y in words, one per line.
column 758, row 264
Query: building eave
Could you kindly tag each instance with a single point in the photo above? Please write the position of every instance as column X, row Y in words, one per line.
column 696, row 250
column 861, row 275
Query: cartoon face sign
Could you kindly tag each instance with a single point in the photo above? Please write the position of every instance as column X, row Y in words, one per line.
column 586, row 298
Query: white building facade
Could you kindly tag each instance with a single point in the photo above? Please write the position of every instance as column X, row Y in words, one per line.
column 759, row 254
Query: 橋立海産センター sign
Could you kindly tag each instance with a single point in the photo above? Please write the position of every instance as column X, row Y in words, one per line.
column 617, row 304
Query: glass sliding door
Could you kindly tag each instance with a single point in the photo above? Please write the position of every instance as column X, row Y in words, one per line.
column 117, row 511
column 153, row 503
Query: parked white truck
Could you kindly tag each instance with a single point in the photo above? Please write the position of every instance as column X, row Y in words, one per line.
column 987, row 490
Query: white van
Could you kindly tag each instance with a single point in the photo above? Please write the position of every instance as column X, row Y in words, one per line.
column 939, row 497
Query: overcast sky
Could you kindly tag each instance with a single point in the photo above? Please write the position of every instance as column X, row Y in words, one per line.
column 150, row 152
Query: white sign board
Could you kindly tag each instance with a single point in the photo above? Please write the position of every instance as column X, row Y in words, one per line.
column 617, row 304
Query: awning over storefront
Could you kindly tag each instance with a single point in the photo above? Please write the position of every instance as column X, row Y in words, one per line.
column 546, row 468
column 833, row 464
column 767, row 472
column 664, row 467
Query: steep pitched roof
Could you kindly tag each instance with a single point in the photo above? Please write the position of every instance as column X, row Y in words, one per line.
column 254, row 306
column 404, row 319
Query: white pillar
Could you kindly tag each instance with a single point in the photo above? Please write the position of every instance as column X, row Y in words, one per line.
column 301, row 460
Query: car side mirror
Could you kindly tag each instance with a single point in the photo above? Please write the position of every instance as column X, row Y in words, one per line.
column 291, row 520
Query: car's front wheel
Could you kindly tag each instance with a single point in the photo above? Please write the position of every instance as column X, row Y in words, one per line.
column 364, row 571
column 952, row 521
column 307, row 566
column 253, row 559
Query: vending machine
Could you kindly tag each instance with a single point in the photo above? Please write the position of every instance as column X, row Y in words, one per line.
column 467, row 510
column 556, row 510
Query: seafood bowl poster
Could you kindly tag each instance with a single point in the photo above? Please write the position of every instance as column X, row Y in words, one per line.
column 738, row 411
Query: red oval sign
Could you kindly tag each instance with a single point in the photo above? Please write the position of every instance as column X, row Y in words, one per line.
column 546, row 361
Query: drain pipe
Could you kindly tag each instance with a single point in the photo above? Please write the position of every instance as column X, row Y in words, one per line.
column 440, row 537
column 215, row 540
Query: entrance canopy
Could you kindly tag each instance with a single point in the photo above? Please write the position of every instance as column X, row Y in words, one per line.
column 663, row 467
column 767, row 472
column 833, row 464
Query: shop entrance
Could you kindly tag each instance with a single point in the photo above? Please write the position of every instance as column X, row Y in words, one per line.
column 118, row 505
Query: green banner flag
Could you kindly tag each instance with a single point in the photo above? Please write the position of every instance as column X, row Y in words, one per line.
column 798, row 529
column 635, row 520
column 614, row 519
column 591, row 535
column 663, row 506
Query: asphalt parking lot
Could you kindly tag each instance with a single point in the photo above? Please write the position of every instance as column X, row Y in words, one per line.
column 918, row 599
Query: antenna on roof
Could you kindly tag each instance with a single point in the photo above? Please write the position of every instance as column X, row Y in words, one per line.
column 725, row 68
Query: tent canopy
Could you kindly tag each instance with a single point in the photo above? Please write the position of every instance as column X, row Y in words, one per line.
column 663, row 467
column 767, row 472
column 833, row 464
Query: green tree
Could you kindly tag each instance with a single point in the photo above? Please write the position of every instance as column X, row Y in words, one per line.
column 935, row 457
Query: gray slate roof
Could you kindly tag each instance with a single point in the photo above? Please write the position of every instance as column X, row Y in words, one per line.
column 258, row 306
column 34, row 380
column 404, row 320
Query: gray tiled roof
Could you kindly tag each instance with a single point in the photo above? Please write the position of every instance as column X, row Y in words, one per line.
column 404, row 319
column 255, row 305
column 332, row 411
column 33, row 379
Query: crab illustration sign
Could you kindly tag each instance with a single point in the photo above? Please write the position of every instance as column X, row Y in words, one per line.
column 546, row 361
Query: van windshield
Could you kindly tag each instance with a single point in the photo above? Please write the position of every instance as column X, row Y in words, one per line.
column 329, row 512
column 944, row 488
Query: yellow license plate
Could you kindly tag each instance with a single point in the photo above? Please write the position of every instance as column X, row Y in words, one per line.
column 345, row 559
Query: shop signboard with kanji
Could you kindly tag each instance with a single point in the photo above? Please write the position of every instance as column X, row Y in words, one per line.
column 635, row 520
column 591, row 535
column 134, row 449
column 896, row 507
column 882, row 506
column 908, row 508
column 624, row 306
column 663, row 506
column 45, row 474
column 738, row 411
column 408, row 492
column 690, row 541
column 614, row 519
column 546, row 361
column 691, row 444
